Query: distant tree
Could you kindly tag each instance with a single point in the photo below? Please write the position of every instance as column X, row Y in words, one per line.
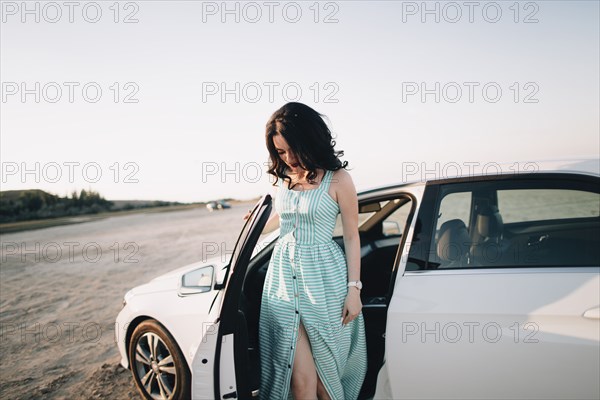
column 37, row 204
column 31, row 201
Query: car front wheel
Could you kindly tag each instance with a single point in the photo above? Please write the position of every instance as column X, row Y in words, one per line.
column 157, row 364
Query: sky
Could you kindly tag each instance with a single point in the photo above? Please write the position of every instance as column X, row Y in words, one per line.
column 156, row 100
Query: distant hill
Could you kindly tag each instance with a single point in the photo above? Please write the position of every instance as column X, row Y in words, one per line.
column 22, row 210
column 34, row 204
column 13, row 195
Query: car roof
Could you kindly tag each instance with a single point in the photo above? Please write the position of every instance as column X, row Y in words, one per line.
column 422, row 173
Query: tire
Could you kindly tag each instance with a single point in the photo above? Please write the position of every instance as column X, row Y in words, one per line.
column 157, row 364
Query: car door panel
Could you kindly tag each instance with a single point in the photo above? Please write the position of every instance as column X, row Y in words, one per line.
column 477, row 341
column 228, row 334
column 515, row 332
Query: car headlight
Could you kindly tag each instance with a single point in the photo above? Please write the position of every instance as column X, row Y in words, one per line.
column 127, row 295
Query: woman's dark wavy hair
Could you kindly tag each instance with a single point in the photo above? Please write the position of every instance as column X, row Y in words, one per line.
column 307, row 135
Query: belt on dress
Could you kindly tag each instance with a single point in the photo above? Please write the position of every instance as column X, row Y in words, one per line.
column 289, row 240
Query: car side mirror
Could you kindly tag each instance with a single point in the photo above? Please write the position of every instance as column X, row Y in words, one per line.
column 197, row 281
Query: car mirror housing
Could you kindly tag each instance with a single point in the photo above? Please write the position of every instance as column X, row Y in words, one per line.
column 199, row 280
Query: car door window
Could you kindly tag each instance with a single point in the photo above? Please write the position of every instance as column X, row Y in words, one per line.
column 514, row 223
column 546, row 204
column 454, row 206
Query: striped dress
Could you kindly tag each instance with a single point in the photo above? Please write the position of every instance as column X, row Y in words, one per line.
column 307, row 281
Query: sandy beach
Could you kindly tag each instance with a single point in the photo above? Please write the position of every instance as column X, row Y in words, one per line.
column 61, row 289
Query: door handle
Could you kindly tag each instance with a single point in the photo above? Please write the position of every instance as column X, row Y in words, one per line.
column 592, row 313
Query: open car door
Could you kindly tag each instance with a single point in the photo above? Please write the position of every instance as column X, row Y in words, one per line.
column 231, row 353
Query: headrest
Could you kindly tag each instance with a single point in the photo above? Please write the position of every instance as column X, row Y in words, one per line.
column 454, row 241
column 489, row 222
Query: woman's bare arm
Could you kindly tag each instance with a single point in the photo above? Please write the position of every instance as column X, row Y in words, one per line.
column 272, row 223
column 348, row 202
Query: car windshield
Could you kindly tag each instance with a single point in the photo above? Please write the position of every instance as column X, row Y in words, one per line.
column 367, row 213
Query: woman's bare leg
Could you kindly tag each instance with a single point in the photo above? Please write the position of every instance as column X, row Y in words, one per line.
column 306, row 383
column 321, row 391
column 304, row 373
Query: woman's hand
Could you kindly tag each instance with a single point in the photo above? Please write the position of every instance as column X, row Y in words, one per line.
column 248, row 215
column 352, row 305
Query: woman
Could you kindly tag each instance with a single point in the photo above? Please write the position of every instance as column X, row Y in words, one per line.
column 311, row 333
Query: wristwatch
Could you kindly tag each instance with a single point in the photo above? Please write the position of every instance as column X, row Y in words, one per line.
column 357, row 284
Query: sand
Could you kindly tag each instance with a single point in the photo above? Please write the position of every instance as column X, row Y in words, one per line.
column 58, row 303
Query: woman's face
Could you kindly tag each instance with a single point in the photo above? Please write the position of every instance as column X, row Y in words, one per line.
column 286, row 154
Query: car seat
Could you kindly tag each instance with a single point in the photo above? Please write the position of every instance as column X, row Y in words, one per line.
column 487, row 246
column 453, row 244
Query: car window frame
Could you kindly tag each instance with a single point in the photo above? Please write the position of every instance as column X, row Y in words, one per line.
column 427, row 216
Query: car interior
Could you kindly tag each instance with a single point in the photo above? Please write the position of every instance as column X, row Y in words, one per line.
column 486, row 240
column 381, row 224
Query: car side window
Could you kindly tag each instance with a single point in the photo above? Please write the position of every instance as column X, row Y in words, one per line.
column 546, row 204
column 454, row 206
column 507, row 223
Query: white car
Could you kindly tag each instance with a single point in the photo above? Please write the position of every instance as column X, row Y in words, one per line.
column 476, row 286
